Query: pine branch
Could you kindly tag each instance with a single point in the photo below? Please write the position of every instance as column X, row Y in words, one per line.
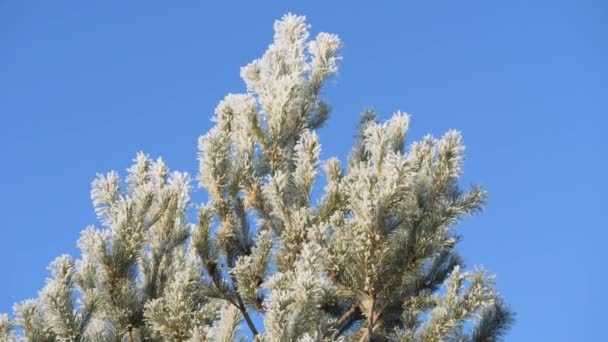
column 346, row 320
column 243, row 310
column 354, row 310
column 241, row 306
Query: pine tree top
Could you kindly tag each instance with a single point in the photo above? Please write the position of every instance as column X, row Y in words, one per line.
column 373, row 259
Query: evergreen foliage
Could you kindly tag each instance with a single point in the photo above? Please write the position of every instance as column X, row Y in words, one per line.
column 373, row 259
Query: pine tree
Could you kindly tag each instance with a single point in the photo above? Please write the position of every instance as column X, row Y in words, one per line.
column 373, row 259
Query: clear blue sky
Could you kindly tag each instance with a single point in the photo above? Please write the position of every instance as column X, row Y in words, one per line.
column 84, row 85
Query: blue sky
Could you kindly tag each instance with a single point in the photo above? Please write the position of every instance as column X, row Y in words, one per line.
column 84, row 85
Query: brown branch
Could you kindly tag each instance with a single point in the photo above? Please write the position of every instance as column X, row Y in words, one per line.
column 345, row 320
column 370, row 318
column 243, row 310
column 129, row 333
column 211, row 269
column 369, row 333
column 373, row 320
column 348, row 314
